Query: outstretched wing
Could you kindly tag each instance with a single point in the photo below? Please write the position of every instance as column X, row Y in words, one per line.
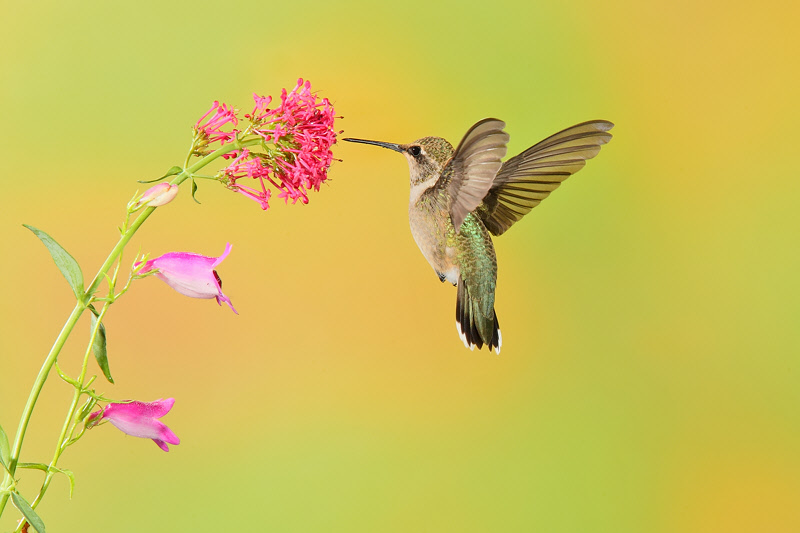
column 469, row 173
column 528, row 178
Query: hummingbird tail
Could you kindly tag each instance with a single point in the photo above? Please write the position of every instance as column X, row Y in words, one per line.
column 470, row 323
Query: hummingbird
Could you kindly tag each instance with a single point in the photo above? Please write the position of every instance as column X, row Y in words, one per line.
column 461, row 197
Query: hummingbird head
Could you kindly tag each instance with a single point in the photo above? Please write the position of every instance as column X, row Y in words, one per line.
column 426, row 157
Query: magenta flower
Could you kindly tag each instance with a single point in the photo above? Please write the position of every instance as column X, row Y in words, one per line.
column 244, row 167
column 210, row 131
column 301, row 129
column 139, row 420
column 190, row 274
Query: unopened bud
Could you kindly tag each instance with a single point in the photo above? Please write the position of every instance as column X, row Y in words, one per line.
column 158, row 195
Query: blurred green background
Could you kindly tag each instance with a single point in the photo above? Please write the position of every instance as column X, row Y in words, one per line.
column 649, row 376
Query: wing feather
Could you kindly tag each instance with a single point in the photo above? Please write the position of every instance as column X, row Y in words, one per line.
column 472, row 169
column 528, row 178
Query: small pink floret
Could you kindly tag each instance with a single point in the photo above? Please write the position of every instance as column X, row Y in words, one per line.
column 218, row 117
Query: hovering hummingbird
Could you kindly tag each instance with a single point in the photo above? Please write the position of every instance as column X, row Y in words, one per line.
column 459, row 198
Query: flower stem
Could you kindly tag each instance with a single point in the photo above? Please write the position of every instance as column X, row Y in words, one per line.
column 34, row 395
column 66, row 430
column 80, row 307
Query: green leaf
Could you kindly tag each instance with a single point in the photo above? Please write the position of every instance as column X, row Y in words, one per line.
column 194, row 190
column 46, row 468
column 33, row 466
column 174, row 171
column 99, row 347
column 5, row 449
column 65, row 262
column 28, row 512
column 71, row 477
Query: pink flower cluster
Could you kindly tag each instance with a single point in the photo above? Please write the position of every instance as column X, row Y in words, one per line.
column 210, row 131
column 297, row 138
column 302, row 129
column 246, row 165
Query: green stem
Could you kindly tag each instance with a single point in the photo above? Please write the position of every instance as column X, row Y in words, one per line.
column 34, row 395
column 76, row 397
column 80, row 307
column 59, row 449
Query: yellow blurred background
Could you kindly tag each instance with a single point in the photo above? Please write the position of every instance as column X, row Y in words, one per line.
column 649, row 376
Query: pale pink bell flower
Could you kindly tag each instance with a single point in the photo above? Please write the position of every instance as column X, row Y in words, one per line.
column 191, row 274
column 138, row 419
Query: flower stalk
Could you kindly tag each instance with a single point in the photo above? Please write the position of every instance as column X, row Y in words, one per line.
column 80, row 306
column 287, row 148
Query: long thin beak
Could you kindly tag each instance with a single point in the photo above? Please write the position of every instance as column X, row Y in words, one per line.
column 390, row 146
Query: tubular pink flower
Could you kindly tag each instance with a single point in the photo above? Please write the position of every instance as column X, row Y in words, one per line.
column 211, row 130
column 262, row 103
column 301, row 128
column 246, row 167
column 191, row 274
column 139, row 420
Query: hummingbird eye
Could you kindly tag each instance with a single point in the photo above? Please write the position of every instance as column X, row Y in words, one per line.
column 415, row 151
